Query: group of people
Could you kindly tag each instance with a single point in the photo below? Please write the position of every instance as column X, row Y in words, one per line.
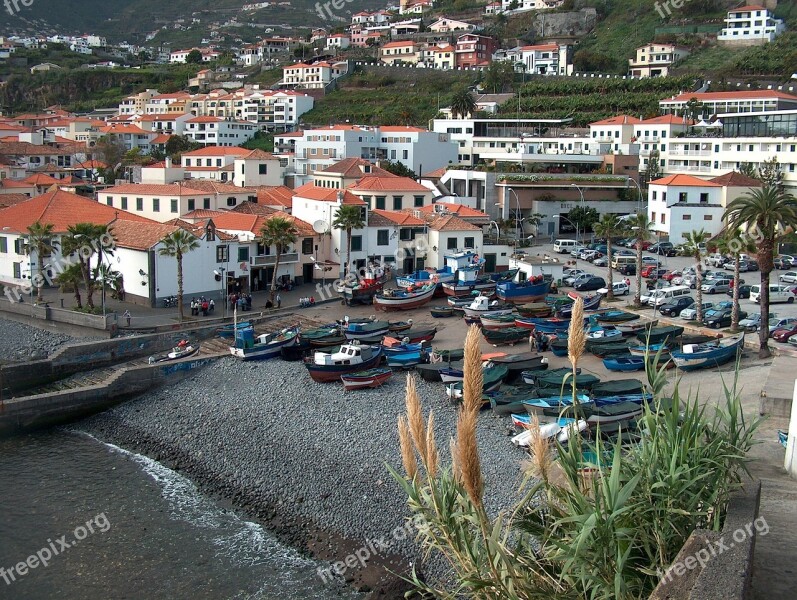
column 538, row 341
column 241, row 301
column 202, row 304
column 306, row 302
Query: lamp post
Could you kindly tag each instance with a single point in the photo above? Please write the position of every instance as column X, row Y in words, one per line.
column 498, row 231
column 223, row 298
column 639, row 189
column 583, row 203
column 569, row 221
column 517, row 214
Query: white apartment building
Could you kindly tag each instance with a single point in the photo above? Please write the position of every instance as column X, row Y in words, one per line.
column 315, row 76
column 446, row 25
column 655, row 133
column 180, row 56
column 546, row 59
column 614, row 130
column 399, row 52
column 417, row 149
column 135, row 104
column 678, row 204
column 341, row 41
column 714, row 103
column 217, row 131
column 526, row 5
column 655, row 60
column 750, row 25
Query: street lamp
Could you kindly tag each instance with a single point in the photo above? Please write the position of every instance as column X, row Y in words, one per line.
column 220, row 274
column 498, row 231
column 517, row 214
column 583, row 203
column 639, row 189
column 569, row 221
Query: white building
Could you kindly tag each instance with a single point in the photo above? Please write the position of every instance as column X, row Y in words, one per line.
column 526, row 5
column 446, row 25
column 678, row 204
column 750, row 25
column 341, row 41
column 655, row 60
column 714, row 103
column 314, row 76
column 546, row 59
column 218, row 131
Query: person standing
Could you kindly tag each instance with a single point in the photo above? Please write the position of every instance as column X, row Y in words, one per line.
column 279, row 300
column 126, row 315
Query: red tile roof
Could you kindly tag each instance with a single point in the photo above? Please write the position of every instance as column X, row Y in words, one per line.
column 438, row 173
column 462, row 211
column 402, row 218
column 400, row 128
column 16, row 183
column 16, row 148
column 311, row 192
column 161, row 139
column 153, row 189
column 7, row 200
column 740, row 95
column 275, row 196
column 62, row 209
column 734, row 179
column 684, row 181
column 747, row 8
column 451, row 223
column 388, row 184
column 258, row 154
column 667, row 120
column 140, row 236
column 218, row 151
column 355, row 167
column 41, row 179
column 540, row 48
column 618, row 120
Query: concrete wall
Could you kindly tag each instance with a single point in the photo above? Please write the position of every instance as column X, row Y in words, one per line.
column 61, row 315
column 790, row 463
column 49, row 409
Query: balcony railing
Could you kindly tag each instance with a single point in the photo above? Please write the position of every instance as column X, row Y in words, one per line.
column 675, row 152
column 270, row 259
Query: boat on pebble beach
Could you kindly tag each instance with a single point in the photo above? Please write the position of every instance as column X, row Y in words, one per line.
column 324, row 367
column 624, row 363
column 442, row 312
column 269, row 345
column 495, row 322
column 483, row 306
column 372, row 378
column 358, row 331
column 507, row 335
column 404, row 299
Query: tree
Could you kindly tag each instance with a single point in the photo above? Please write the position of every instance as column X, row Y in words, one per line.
column 462, row 104
column 765, row 215
column 83, row 239
column 178, row 144
column 398, row 168
column 748, row 169
column 770, row 173
column 280, row 233
column 499, row 75
column 654, row 166
column 609, row 226
column 112, row 153
column 71, row 278
column 641, row 226
column 733, row 243
column 693, row 109
column 347, row 218
column 40, row 239
column 177, row 244
column 583, row 217
column 693, row 246
column 194, row 57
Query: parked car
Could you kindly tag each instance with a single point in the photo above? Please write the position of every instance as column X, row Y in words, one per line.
column 777, row 293
column 715, row 260
column 627, row 269
column 752, row 322
column 663, row 249
column 649, row 260
column 619, row 288
column 709, row 275
column 788, row 277
column 601, row 262
column 752, row 265
column 635, row 243
column 784, row 333
column 573, row 275
column 784, row 261
column 589, row 284
column 776, row 323
column 716, row 286
column 722, row 318
column 670, row 275
column 590, row 255
column 626, row 242
column 674, row 307
column 691, row 312
column 575, row 252
column 653, row 274
column 744, row 291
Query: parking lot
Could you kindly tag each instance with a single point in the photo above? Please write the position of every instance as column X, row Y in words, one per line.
column 678, row 263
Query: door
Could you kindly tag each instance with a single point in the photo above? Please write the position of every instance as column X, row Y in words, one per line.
column 408, row 264
column 489, row 263
column 307, row 273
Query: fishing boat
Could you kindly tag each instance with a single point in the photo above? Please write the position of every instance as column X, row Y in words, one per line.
column 405, row 359
column 522, row 361
column 362, row 290
column 351, row 358
column 269, row 345
column 446, row 355
column 415, row 336
column 493, row 378
column 372, row 378
column 659, row 335
column 604, row 334
column 535, row 309
column 460, row 302
column 624, row 363
column 522, row 292
column 710, row 354
column 561, row 430
column 616, row 316
column 228, row 331
column 482, row 306
column 453, row 264
column 508, row 335
column 590, row 303
column 617, row 387
column 469, row 281
column 358, row 331
column 526, row 322
column 183, row 349
column 554, row 325
column 612, row 413
column 431, row 371
column 634, row 327
column 403, row 299
column 442, row 312
column 496, row 322
column 553, row 379
column 295, row 351
column 452, row 374
column 397, row 326
column 558, row 347
column 620, row 348
column 651, row 350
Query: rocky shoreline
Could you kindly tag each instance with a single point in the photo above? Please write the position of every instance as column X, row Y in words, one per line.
column 304, row 459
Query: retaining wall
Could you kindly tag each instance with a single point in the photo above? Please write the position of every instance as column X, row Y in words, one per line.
column 61, row 315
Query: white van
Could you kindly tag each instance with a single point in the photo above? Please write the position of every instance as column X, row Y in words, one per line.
column 664, row 295
column 619, row 261
column 777, row 293
column 564, row 246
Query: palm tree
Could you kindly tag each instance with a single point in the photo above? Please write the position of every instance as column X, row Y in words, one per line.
column 177, row 244
column 733, row 243
column 641, row 226
column 462, row 104
column 83, row 239
column 765, row 214
column 348, row 217
column 71, row 277
column 40, row 239
column 280, row 233
column 609, row 227
column 693, row 242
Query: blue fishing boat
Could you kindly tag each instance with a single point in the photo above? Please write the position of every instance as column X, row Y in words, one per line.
column 709, row 354
column 268, row 345
column 590, row 303
column 360, row 330
column 452, row 264
column 522, row 292
column 623, row 363
column 228, row 331
column 408, row 358
column 547, row 325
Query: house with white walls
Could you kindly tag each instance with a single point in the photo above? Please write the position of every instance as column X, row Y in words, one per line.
column 678, row 204
column 655, row 60
column 546, row 59
column 391, row 193
column 448, row 234
column 750, row 25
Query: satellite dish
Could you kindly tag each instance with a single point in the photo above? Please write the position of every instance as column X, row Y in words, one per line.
column 320, row 226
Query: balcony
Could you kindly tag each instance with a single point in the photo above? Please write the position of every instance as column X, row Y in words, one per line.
column 266, row 260
column 677, row 152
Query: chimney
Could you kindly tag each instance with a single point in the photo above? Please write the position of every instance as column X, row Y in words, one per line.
column 168, row 162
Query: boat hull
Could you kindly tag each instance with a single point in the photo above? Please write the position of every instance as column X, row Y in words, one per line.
column 329, row 373
column 522, row 293
column 691, row 361
column 362, row 380
column 408, row 302
column 264, row 351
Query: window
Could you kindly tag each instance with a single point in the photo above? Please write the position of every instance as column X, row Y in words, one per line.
column 382, row 237
column 307, row 246
column 380, row 202
column 470, row 242
column 3, row 245
column 451, row 243
column 356, row 243
column 232, row 201
column 663, row 219
column 397, row 202
column 704, row 198
column 156, row 205
column 653, row 217
column 206, row 203
column 19, row 246
column 405, row 154
column 262, row 169
column 191, row 204
column 655, row 193
column 139, row 203
column 222, row 254
column 708, row 217
column 124, row 202
column 109, row 200
column 418, row 201
column 682, row 197
column 174, row 205
column 243, row 254
column 687, row 217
